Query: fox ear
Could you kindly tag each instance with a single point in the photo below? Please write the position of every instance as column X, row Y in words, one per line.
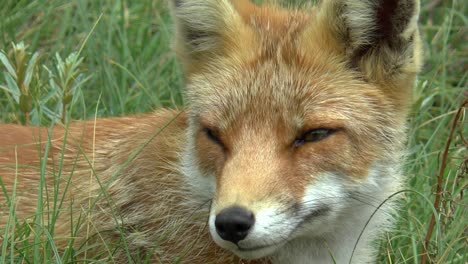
column 204, row 29
column 380, row 37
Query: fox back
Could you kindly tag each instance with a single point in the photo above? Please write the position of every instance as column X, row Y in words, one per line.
column 291, row 140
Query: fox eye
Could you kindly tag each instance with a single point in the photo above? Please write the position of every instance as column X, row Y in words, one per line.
column 213, row 136
column 313, row 136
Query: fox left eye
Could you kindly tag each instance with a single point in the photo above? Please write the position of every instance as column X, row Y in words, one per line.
column 213, row 136
column 313, row 136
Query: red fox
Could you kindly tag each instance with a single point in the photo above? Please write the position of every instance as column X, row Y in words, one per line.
column 291, row 140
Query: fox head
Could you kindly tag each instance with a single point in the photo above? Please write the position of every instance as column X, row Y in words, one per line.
column 293, row 114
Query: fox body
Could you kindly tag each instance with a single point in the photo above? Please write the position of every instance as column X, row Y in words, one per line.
column 290, row 142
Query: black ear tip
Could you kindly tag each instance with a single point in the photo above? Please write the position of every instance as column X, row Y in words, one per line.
column 177, row 3
column 394, row 16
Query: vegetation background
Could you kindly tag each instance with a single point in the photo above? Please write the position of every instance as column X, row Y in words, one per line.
column 77, row 59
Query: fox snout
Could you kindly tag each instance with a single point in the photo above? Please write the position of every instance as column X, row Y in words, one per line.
column 233, row 224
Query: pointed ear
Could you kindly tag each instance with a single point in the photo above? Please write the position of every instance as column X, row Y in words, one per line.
column 379, row 37
column 204, row 29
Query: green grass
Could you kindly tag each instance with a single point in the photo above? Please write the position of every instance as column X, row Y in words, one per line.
column 127, row 55
column 127, row 67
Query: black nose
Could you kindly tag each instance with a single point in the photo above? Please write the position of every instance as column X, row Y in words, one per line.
column 233, row 224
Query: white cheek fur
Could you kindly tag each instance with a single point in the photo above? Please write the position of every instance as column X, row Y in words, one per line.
column 327, row 193
column 204, row 186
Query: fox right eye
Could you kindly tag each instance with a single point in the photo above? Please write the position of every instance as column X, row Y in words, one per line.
column 213, row 136
column 313, row 136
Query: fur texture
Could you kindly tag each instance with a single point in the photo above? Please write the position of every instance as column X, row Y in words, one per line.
column 260, row 81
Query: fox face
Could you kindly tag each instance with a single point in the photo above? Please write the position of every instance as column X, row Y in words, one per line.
column 289, row 159
column 296, row 118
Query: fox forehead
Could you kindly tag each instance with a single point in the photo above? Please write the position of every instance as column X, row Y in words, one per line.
column 273, row 93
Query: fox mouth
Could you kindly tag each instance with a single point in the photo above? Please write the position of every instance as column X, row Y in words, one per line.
column 316, row 213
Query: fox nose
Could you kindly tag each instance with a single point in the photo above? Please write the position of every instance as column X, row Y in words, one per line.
column 233, row 224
